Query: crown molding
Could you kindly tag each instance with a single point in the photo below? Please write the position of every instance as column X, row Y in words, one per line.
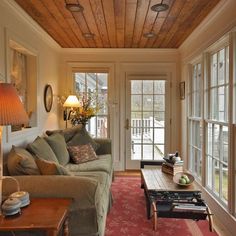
column 24, row 17
column 203, row 27
column 118, row 50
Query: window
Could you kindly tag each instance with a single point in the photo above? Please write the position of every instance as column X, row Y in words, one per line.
column 94, row 84
column 219, row 86
column 217, row 127
column 194, row 121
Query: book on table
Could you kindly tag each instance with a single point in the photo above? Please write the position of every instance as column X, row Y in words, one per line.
column 171, row 169
column 189, row 208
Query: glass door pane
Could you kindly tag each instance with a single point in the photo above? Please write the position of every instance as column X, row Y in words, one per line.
column 146, row 112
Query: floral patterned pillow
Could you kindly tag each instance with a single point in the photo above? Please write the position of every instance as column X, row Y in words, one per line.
column 82, row 153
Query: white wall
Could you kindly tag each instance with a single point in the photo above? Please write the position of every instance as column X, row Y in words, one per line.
column 218, row 23
column 16, row 25
column 14, row 22
column 124, row 62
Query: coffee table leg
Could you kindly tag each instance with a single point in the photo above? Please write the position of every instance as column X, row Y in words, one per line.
column 148, row 205
column 154, row 207
column 210, row 219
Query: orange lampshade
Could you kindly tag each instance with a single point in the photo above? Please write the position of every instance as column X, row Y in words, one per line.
column 12, row 111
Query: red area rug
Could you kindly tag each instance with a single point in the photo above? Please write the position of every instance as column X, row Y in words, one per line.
column 128, row 215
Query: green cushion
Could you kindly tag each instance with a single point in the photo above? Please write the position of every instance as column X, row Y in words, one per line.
column 41, row 148
column 21, row 162
column 103, row 163
column 50, row 168
column 67, row 133
column 82, row 137
column 58, row 145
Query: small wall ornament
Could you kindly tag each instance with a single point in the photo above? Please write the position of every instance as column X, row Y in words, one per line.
column 48, row 97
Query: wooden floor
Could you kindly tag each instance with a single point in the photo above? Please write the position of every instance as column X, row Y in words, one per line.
column 128, row 173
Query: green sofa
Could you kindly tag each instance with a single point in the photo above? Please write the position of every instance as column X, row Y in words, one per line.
column 88, row 184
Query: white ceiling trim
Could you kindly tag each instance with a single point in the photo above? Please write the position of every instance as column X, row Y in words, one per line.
column 222, row 6
column 18, row 11
column 119, row 50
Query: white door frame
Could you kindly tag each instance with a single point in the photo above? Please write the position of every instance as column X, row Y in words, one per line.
column 131, row 164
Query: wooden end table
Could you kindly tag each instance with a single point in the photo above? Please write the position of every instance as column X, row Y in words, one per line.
column 48, row 214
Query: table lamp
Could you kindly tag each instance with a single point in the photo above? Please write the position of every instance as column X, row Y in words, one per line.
column 71, row 101
column 12, row 112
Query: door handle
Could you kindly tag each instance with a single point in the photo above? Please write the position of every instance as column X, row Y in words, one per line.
column 127, row 124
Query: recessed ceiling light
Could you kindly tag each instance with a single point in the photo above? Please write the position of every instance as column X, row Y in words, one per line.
column 159, row 7
column 149, row 35
column 88, row 35
column 74, row 7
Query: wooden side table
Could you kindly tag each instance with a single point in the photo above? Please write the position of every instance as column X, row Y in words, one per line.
column 48, row 214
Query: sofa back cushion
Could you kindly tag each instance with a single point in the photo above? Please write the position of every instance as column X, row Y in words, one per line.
column 82, row 153
column 21, row 162
column 58, row 145
column 50, row 168
column 82, row 137
column 40, row 147
column 67, row 133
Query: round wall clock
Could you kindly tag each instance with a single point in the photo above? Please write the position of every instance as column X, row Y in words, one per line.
column 48, row 97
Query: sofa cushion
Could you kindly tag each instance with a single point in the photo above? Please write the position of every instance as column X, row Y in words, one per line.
column 21, row 162
column 82, row 137
column 41, row 148
column 67, row 133
column 58, row 145
column 50, row 168
column 103, row 163
column 82, row 153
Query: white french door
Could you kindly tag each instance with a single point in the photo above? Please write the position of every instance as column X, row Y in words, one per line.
column 146, row 119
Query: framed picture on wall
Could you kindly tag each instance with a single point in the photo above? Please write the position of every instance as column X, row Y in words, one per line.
column 182, row 90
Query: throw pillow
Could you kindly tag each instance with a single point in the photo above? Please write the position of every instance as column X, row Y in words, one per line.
column 21, row 162
column 50, row 168
column 82, row 137
column 58, row 145
column 40, row 147
column 67, row 133
column 82, row 153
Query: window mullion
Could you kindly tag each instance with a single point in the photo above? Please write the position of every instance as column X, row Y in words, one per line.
column 153, row 112
column 220, row 162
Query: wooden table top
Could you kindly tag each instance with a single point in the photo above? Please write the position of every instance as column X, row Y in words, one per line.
column 42, row 213
column 155, row 179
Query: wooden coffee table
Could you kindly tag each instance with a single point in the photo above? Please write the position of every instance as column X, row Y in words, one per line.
column 48, row 214
column 163, row 195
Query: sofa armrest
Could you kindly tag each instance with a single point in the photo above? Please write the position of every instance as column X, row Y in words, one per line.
column 105, row 146
column 83, row 191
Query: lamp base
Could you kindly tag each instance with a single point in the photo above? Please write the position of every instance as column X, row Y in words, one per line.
column 11, row 206
column 22, row 196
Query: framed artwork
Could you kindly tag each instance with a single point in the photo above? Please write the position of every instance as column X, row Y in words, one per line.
column 182, row 90
column 48, row 97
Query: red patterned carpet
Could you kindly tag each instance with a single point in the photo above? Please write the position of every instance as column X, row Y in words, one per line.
column 128, row 215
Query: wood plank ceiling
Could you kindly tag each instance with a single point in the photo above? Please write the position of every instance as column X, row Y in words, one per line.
column 118, row 23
